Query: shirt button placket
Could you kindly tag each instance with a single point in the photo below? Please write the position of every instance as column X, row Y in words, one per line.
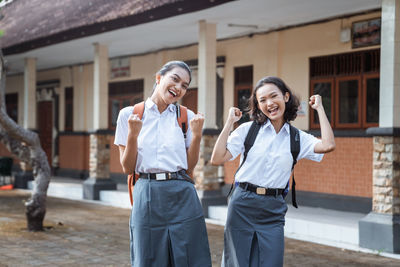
column 158, row 147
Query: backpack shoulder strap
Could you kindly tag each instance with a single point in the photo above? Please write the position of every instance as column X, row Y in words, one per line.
column 250, row 138
column 294, row 143
column 139, row 109
column 248, row 143
column 132, row 178
column 295, row 150
column 182, row 117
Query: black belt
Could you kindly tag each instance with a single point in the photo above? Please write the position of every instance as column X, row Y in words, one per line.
column 163, row 176
column 261, row 190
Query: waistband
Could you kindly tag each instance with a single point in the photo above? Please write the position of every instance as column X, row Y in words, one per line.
column 164, row 176
column 261, row 190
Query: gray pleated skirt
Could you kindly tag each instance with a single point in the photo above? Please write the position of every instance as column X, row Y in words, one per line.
column 167, row 226
column 254, row 230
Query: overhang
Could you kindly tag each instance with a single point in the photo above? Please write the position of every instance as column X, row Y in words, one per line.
column 233, row 19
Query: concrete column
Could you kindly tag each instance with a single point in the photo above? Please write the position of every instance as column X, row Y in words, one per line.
column 380, row 229
column 207, row 70
column 65, row 81
column 30, row 94
column 99, row 167
column 79, row 100
column 389, row 97
column 29, row 117
column 99, row 161
column 100, row 87
column 207, row 176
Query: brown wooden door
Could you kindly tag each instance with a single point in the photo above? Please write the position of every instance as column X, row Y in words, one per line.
column 45, row 126
column 189, row 100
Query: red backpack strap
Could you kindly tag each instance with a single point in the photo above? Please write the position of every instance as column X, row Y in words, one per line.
column 132, row 178
column 182, row 117
column 139, row 109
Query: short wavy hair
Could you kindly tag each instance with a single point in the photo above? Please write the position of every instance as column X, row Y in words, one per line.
column 291, row 106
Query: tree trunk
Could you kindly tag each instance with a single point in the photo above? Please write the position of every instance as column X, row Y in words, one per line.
column 25, row 145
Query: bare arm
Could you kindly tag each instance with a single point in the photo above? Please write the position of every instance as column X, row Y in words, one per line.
column 196, row 125
column 220, row 153
column 128, row 154
column 327, row 137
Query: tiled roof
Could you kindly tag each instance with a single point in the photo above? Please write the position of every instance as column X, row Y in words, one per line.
column 28, row 21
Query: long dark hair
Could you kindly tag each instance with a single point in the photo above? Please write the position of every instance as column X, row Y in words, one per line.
column 291, row 106
column 172, row 64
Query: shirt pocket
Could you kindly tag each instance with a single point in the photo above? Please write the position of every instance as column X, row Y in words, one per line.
column 173, row 140
column 283, row 161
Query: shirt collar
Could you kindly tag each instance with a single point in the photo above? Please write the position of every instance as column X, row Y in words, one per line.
column 151, row 105
column 285, row 126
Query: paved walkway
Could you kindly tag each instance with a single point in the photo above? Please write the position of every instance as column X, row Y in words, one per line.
column 87, row 234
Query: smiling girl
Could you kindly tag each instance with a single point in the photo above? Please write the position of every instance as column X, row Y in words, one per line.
column 167, row 225
column 256, row 210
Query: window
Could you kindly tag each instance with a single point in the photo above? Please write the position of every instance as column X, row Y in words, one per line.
column 69, row 108
column 123, row 94
column 243, row 89
column 12, row 106
column 349, row 86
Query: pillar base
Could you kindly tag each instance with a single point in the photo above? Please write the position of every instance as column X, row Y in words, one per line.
column 211, row 198
column 380, row 232
column 93, row 186
column 21, row 179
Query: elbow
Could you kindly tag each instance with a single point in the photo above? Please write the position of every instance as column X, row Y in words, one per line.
column 330, row 147
column 127, row 170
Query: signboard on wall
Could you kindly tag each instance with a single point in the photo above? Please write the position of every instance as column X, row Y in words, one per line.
column 120, row 67
column 366, row 33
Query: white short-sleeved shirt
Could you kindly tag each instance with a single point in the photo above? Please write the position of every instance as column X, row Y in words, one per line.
column 161, row 145
column 269, row 161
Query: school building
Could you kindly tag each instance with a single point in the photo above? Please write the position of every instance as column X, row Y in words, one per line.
column 72, row 65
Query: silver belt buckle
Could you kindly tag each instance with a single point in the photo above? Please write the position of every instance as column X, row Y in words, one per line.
column 161, row 176
column 261, row 191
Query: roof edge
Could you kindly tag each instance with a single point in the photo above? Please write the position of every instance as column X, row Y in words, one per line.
column 158, row 13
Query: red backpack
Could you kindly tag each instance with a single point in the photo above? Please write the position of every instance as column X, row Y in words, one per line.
column 181, row 116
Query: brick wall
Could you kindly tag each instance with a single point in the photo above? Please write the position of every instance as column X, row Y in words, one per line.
column 346, row 171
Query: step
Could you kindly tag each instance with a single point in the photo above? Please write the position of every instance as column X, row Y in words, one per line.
column 115, row 198
column 329, row 227
column 63, row 190
column 73, row 190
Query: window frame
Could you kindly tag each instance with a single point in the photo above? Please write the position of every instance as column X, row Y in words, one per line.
column 121, row 91
column 238, row 88
column 313, row 124
column 362, row 109
column 364, row 106
column 338, row 124
column 121, row 98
